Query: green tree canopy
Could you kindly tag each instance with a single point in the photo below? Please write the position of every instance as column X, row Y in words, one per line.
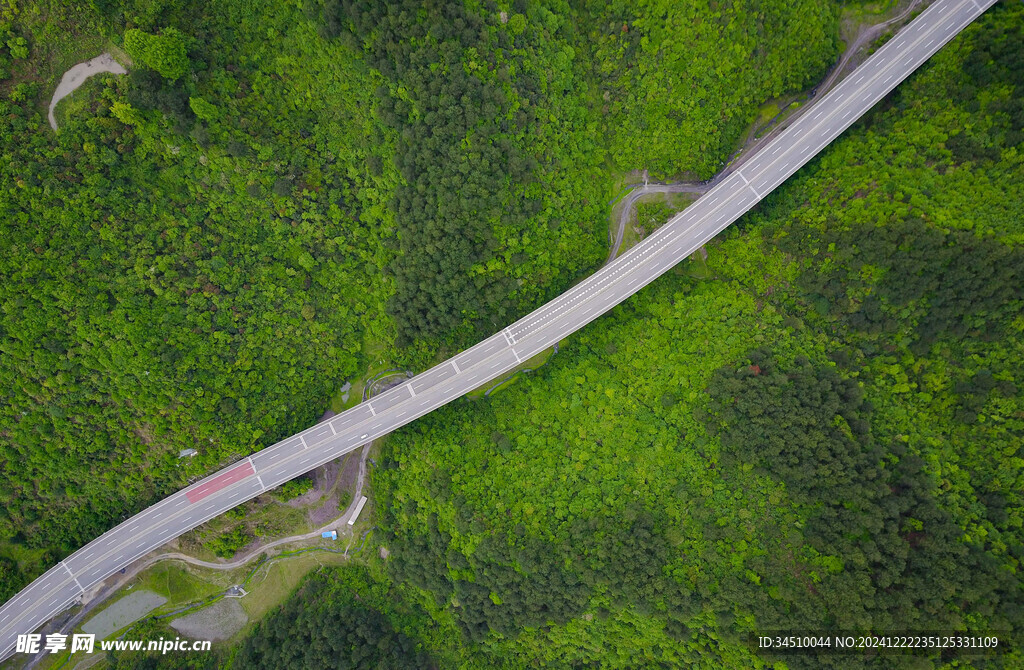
column 165, row 53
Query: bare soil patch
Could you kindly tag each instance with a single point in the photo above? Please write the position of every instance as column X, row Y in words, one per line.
column 219, row 621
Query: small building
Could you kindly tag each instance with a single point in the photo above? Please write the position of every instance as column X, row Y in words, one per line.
column 329, row 534
column 187, row 452
column 359, row 508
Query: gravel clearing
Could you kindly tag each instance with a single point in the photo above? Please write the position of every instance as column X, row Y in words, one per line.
column 127, row 610
column 219, row 621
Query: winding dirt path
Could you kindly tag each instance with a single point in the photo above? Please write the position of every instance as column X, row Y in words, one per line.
column 238, row 562
column 104, row 591
column 77, row 75
column 341, row 521
column 866, row 35
column 630, row 200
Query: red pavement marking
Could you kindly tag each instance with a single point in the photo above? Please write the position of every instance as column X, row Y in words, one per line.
column 220, row 481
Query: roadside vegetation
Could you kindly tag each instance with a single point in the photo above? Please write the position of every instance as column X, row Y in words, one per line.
column 817, row 427
column 824, row 434
column 682, row 81
column 183, row 280
column 277, row 196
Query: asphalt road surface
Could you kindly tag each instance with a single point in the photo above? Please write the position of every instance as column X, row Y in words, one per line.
column 66, row 582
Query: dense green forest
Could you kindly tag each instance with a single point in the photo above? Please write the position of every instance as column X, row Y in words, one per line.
column 212, row 244
column 181, row 279
column 675, row 98
column 824, row 435
column 500, row 138
column 361, row 621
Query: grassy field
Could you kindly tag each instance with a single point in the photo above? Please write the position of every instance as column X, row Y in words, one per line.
column 377, row 355
column 180, row 583
column 274, row 582
column 696, row 266
column 776, row 113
